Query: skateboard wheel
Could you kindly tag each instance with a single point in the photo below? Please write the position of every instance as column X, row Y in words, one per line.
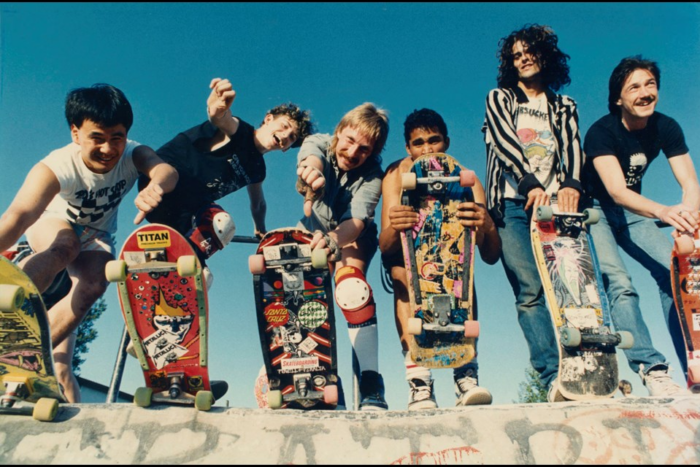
column 409, row 181
column 45, row 409
column 319, row 259
column 142, row 397
column 187, row 265
column 467, row 178
column 330, row 395
column 204, row 400
column 694, row 373
column 471, row 329
column 570, row 337
column 591, row 216
column 256, row 264
column 685, row 244
column 415, row 326
column 115, row 271
column 11, row 297
column 544, row 213
column 274, row 399
column 626, row 340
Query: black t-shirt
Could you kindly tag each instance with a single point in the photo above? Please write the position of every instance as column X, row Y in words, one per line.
column 635, row 150
column 206, row 176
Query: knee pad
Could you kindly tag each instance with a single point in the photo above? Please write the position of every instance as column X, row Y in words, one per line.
column 212, row 229
column 354, row 295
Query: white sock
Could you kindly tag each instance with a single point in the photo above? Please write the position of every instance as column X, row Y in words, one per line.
column 365, row 343
column 413, row 370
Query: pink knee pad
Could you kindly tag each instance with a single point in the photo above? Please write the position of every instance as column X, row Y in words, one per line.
column 213, row 228
column 354, row 295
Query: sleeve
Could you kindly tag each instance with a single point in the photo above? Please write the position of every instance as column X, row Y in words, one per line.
column 364, row 200
column 573, row 156
column 61, row 164
column 673, row 141
column 599, row 141
column 314, row 145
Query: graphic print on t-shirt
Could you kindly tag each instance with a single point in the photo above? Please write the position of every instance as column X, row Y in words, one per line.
column 635, row 172
column 536, row 139
column 94, row 205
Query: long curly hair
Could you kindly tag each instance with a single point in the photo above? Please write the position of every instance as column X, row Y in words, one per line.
column 541, row 41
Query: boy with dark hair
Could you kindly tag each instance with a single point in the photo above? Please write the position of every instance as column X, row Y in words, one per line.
column 620, row 146
column 533, row 151
column 67, row 207
column 425, row 132
column 218, row 157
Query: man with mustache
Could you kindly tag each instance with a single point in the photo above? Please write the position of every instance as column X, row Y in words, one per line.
column 341, row 177
column 619, row 148
column 218, row 157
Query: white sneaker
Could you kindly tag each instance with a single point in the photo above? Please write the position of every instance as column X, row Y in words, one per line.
column 421, row 396
column 659, row 382
column 554, row 394
column 468, row 391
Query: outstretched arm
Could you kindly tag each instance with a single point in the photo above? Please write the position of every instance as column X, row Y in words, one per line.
column 163, row 180
column 258, row 208
column 37, row 191
column 681, row 216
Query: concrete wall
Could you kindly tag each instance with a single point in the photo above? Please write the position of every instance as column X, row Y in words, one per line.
column 630, row 431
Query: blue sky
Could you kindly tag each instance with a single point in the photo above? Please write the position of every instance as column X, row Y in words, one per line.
column 328, row 58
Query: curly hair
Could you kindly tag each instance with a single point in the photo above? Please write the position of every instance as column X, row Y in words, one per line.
column 541, row 41
column 302, row 117
column 626, row 67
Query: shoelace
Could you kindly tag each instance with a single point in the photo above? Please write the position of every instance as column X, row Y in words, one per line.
column 466, row 383
column 421, row 392
column 662, row 382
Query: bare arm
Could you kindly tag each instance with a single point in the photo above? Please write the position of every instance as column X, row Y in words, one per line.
column 677, row 216
column 474, row 214
column 37, row 191
column 163, row 180
column 219, row 106
column 258, row 208
column 395, row 216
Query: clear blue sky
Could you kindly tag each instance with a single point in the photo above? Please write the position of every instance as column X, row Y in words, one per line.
column 328, row 58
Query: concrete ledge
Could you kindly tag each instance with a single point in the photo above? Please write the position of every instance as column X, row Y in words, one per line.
column 620, row 431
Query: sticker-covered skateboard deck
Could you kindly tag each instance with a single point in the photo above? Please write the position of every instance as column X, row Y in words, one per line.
column 296, row 322
column 439, row 257
column 164, row 303
column 572, row 283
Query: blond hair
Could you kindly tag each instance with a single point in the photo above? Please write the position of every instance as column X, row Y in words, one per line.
column 369, row 120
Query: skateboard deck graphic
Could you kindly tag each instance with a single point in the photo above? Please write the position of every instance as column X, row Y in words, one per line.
column 685, row 282
column 164, row 304
column 26, row 357
column 296, row 323
column 572, row 283
column 439, row 256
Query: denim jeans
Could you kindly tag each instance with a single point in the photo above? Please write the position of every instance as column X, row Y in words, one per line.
column 642, row 240
column 520, row 268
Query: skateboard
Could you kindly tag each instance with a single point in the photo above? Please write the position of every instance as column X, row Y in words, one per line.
column 685, row 282
column 296, row 322
column 26, row 357
column 164, row 304
column 439, row 257
column 572, row 282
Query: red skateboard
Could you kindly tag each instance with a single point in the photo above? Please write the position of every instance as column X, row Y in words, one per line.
column 685, row 281
column 164, row 303
column 296, row 324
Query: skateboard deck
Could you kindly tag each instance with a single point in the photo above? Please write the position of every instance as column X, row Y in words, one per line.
column 439, row 256
column 26, row 357
column 572, row 282
column 164, row 304
column 296, row 322
column 685, row 282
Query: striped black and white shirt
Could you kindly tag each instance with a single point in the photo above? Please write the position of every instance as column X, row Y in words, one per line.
column 505, row 156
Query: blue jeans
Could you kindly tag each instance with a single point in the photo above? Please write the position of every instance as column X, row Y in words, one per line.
column 520, row 267
column 640, row 238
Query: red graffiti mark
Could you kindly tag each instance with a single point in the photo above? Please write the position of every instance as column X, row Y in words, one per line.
column 656, row 415
column 447, row 456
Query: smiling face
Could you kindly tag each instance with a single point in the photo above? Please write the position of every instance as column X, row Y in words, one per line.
column 100, row 147
column 638, row 97
column 426, row 141
column 278, row 132
column 524, row 62
column 352, row 149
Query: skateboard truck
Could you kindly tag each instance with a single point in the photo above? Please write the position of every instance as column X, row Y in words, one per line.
column 442, row 306
column 574, row 337
column 302, row 389
column 175, row 384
